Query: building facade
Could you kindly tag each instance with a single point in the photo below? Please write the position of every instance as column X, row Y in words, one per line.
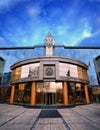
column 97, row 67
column 2, row 63
column 49, row 79
column 6, row 78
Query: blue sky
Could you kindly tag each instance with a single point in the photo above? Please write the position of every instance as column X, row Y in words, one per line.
column 71, row 22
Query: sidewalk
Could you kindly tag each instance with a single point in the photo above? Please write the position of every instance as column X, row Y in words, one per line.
column 84, row 117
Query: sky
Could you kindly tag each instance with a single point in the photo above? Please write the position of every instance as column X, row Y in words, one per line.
column 71, row 22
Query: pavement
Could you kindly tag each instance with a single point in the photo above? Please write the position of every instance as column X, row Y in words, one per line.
column 82, row 117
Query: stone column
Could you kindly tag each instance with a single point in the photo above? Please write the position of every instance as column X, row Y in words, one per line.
column 65, row 93
column 86, row 94
column 33, row 94
column 12, row 94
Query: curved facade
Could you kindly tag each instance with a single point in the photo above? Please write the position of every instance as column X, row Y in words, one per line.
column 2, row 63
column 97, row 67
column 49, row 79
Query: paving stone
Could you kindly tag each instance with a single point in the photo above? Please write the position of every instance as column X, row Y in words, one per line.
column 84, row 117
column 49, row 124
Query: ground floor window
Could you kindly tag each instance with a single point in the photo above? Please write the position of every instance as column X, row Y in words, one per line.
column 49, row 93
column 76, row 93
column 22, row 93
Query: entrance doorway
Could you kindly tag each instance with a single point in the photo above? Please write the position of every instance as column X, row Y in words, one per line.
column 49, row 98
column 49, row 93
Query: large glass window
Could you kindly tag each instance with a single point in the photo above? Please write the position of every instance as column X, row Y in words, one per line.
column 85, row 55
column 66, row 70
column 82, row 73
column 49, row 93
column 76, row 93
column 30, row 70
column 59, row 93
column 22, row 93
column 16, row 73
column 85, row 75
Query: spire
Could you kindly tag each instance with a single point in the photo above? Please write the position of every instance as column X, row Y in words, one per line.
column 49, row 35
column 49, row 42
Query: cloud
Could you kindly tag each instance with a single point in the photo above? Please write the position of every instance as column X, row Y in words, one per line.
column 83, row 30
column 33, row 11
column 3, row 42
column 75, row 35
column 87, row 31
column 86, row 34
column 5, row 5
column 61, row 30
column 1, row 39
column 30, row 20
column 93, row 40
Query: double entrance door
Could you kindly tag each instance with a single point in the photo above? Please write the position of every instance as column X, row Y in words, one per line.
column 49, row 98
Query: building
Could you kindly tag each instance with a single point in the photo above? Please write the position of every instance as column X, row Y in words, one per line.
column 6, row 78
column 2, row 63
column 97, row 67
column 49, row 79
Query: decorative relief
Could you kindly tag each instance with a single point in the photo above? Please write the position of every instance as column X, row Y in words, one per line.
column 49, row 71
column 33, row 72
